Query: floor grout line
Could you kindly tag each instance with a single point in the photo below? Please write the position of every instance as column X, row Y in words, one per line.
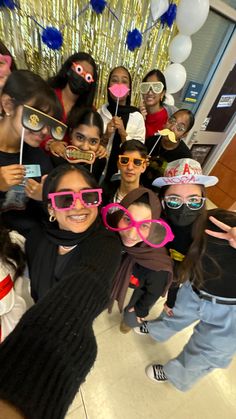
column 82, row 398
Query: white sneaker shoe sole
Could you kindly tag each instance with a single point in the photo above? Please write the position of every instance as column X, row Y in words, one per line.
column 150, row 374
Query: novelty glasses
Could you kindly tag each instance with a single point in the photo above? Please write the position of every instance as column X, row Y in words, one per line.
column 80, row 71
column 35, row 120
column 155, row 233
column 193, row 203
column 156, row 86
column 125, row 160
column 64, row 201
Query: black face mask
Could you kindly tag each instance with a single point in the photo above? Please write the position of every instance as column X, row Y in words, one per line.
column 182, row 216
column 77, row 83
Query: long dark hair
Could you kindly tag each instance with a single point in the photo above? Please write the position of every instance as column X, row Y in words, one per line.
column 160, row 76
column 128, row 99
column 5, row 51
column 192, row 266
column 11, row 253
column 60, row 80
column 54, row 177
column 24, row 86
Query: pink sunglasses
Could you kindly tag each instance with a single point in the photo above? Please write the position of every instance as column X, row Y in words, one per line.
column 155, row 233
column 64, row 201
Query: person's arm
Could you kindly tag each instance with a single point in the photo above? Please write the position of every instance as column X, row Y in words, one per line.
column 48, row 355
column 171, row 298
column 136, row 127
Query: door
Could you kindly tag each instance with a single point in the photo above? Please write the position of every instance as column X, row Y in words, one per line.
column 215, row 123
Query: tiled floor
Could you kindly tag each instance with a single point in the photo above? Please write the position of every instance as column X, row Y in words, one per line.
column 117, row 387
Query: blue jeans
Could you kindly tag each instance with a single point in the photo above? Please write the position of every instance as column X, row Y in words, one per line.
column 212, row 344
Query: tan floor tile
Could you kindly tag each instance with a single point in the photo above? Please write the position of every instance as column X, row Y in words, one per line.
column 78, row 413
column 117, row 387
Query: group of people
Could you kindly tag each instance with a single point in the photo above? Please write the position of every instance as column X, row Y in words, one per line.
column 105, row 200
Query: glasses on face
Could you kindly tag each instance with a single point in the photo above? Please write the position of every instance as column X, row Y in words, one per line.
column 82, row 139
column 35, row 120
column 179, row 126
column 193, row 203
column 125, row 160
column 64, row 201
column 156, row 86
column 78, row 68
column 155, row 233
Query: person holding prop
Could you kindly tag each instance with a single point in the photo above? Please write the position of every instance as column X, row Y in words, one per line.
column 153, row 89
column 122, row 122
column 75, row 86
column 85, row 131
column 30, row 110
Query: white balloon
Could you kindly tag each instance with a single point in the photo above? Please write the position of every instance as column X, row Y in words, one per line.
column 191, row 15
column 180, row 48
column 158, row 8
column 175, row 75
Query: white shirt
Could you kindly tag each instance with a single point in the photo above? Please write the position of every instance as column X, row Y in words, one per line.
column 18, row 300
column 135, row 128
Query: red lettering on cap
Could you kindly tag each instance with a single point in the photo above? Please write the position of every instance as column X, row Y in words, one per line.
column 5, row 286
column 186, row 169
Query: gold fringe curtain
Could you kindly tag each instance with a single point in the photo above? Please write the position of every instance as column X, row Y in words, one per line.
column 100, row 35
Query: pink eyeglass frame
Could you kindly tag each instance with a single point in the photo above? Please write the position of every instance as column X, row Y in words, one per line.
column 76, row 195
column 169, row 235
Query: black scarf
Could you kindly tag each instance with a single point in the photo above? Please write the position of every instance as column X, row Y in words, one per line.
column 123, row 112
column 42, row 252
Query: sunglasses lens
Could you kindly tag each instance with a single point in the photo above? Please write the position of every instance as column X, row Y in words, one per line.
column 91, row 199
column 173, row 202
column 157, row 87
column 137, row 162
column 144, row 87
column 32, row 121
column 195, row 203
column 124, row 160
column 152, row 232
column 63, row 201
column 58, row 132
column 117, row 218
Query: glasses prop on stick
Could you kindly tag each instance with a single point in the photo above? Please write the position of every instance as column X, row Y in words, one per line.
column 35, row 120
column 118, row 90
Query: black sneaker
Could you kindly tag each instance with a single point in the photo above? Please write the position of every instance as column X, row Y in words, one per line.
column 141, row 330
column 156, row 373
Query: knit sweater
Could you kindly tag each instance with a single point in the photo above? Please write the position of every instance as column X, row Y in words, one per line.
column 47, row 357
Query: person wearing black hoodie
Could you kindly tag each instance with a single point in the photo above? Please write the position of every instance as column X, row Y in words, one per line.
column 72, row 262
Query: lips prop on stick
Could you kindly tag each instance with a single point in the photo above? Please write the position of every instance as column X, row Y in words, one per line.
column 118, row 90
